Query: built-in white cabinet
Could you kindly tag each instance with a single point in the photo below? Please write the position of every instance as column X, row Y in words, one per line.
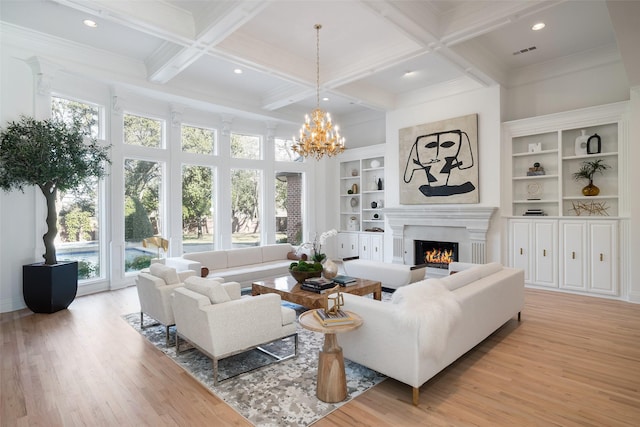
column 361, row 201
column 370, row 246
column 569, row 254
column 603, row 257
column 545, row 257
column 534, row 246
column 561, row 237
column 348, row 245
column 573, row 252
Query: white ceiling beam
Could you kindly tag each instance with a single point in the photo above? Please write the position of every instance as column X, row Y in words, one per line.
column 222, row 19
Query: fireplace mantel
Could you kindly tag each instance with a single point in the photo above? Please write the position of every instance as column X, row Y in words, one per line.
column 474, row 219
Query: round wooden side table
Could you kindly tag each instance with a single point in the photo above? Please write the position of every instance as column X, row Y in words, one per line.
column 332, row 380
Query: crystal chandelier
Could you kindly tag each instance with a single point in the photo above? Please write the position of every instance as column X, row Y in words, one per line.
column 318, row 135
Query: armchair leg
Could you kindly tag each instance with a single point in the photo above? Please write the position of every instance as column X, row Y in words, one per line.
column 141, row 320
column 416, row 396
column 166, row 336
column 519, row 316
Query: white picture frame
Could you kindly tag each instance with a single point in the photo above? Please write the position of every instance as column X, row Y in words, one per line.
column 535, row 147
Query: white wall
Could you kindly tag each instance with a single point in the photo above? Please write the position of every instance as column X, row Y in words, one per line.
column 600, row 85
column 17, row 214
column 634, row 205
column 484, row 102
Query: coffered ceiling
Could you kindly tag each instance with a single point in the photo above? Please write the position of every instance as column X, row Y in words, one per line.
column 373, row 54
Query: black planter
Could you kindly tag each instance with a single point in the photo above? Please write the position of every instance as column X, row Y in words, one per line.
column 49, row 288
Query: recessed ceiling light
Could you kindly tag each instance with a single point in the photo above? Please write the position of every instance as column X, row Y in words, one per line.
column 408, row 73
column 538, row 26
column 325, row 98
column 90, row 23
column 237, row 71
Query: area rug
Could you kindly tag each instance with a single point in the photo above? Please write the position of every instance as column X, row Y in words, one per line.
column 276, row 394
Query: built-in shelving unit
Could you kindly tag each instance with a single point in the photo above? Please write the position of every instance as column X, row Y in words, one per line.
column 578, row 244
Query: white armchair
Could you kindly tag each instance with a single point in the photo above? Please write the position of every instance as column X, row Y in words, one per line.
column 217, row 321
column 154, row 288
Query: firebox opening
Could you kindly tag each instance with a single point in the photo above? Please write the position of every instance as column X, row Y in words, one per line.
column 435, row 254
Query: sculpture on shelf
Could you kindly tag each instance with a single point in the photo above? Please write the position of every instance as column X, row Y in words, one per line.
column 592, row 208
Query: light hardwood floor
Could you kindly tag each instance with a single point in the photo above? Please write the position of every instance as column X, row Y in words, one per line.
column 572, row 361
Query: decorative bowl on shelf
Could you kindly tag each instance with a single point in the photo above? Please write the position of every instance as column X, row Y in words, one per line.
column 301, row 276
column 375, row 163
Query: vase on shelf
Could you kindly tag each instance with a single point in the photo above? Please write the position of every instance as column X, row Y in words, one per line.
column 590, row 190
column 329, row 269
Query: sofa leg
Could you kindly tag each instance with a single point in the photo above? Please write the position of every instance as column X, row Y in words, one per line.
column 141, row 320
column 416, row 395
column 214, row 363
column 166, row 335
column 518, row 316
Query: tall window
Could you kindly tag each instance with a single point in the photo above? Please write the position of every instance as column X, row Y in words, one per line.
column 197, row 209
column 245, row 207
column 143, row 131
column 198, row 140
column 289, row 218
column 78, row 219
column 284, row 151
column 246, row 146
column 142, row 210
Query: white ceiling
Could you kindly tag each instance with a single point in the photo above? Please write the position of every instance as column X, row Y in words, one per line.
column 365, row 46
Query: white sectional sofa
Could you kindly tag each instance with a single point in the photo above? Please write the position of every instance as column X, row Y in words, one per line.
column 242, row 265
column 431, row 323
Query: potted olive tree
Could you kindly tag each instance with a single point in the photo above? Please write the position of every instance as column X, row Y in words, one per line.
column 55, row 157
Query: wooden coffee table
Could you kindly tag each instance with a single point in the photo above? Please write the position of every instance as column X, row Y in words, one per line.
column 289, row 290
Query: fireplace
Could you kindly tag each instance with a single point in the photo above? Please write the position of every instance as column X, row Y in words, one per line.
column 435, row 254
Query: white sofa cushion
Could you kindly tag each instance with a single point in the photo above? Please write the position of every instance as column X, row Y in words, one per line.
column 213, row 260
column 244, row 256
column 210, row 288
column 275, row 252
column 168, row 274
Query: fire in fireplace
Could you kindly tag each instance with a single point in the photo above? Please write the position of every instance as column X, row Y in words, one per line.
column 435, row 254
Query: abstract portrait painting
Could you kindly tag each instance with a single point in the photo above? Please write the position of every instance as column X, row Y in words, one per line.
column 439, row 162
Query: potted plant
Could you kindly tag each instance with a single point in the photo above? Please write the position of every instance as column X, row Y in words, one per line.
column 587, row 170
column 55, row 157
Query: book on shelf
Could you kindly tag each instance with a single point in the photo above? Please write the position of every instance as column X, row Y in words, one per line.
column 333, row 319
column 344, row 280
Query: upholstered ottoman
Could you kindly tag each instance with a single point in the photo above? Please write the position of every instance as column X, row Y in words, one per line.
column 390, row 275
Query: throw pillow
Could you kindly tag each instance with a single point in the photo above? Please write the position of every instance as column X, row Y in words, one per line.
column 210, row 288
column 168, row 274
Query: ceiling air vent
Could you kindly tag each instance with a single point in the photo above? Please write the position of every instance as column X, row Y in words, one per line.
column 525, row 50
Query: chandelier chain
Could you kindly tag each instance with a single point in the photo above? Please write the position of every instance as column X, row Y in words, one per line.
column 318, row 27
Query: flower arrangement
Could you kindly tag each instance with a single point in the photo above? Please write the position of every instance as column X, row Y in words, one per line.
column 316, row 247
column 318, row 255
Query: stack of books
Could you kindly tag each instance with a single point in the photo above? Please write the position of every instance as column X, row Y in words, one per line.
column 331, row 319
column 344, row 280
column 318, row 285
column 534, row 212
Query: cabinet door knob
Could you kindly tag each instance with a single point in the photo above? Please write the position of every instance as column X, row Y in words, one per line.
column 544, row 252
column 573, row 255
column 601, row 257
column 520, row 251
